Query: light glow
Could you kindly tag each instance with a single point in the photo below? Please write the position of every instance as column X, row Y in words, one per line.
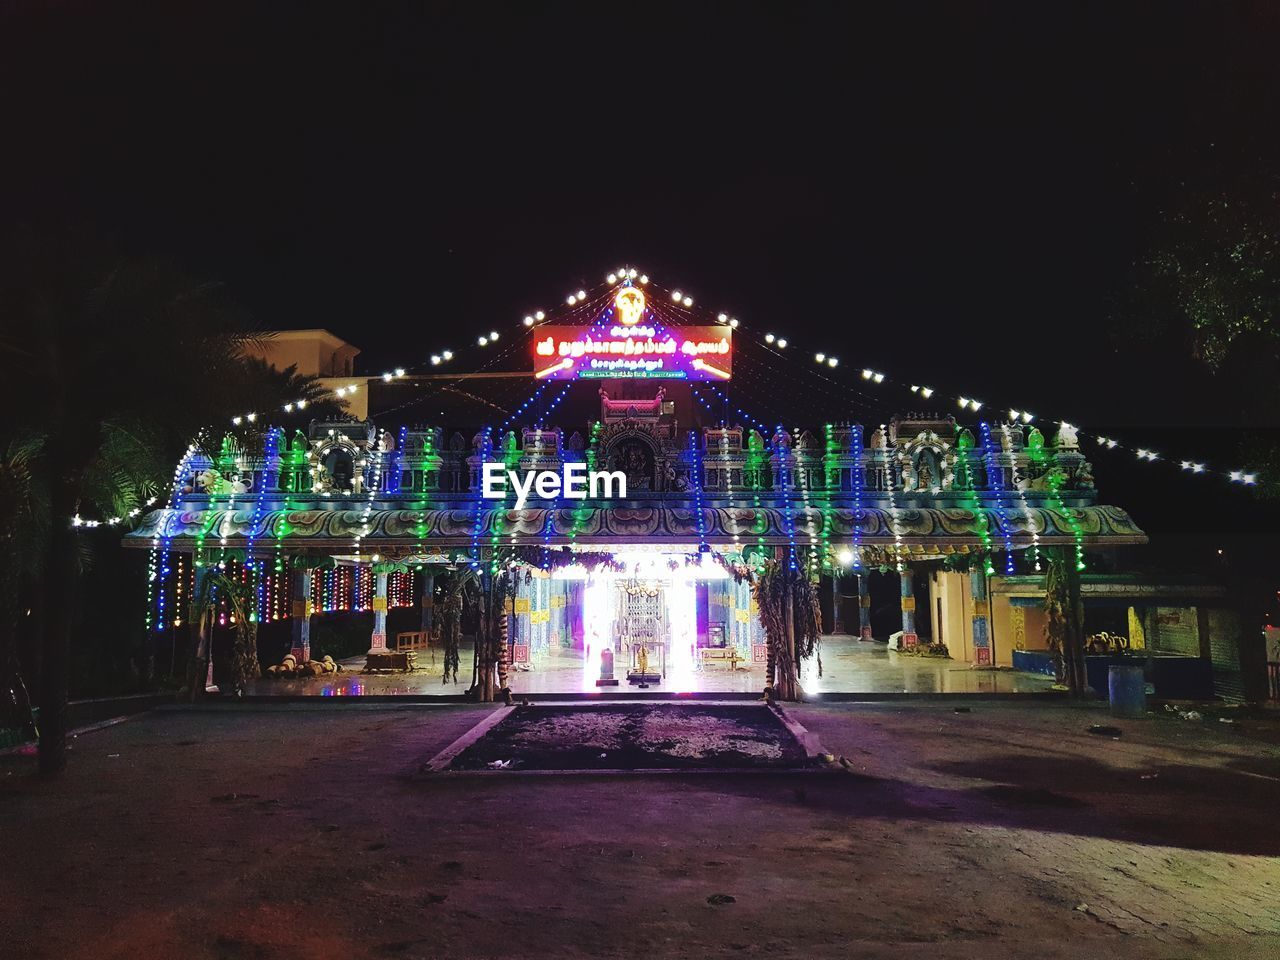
column 630, row 306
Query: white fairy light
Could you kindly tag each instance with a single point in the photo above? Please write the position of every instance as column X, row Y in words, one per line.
column 833, row 361
column 733, row 323
column 677, row 296
column 782, row 343
column 435, row 359
column 539, row 315
column 688, row 301
column 483, row 341
column 447, row 354
column 768, row 338
column 528, row 321
column 820, row 358
column 493, row 335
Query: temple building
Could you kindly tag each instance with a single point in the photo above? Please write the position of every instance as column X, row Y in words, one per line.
column 930, row 538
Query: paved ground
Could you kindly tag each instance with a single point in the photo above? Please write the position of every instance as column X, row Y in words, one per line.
column 849, row 666
column 291, row 831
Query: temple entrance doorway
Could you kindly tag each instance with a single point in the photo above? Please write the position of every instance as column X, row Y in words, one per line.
column 641, row 629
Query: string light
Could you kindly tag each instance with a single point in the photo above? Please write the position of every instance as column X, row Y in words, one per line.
column 893, row 502
column 995, row 481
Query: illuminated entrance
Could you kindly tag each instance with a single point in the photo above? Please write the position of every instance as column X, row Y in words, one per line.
column 644, row 609
column 522, row 588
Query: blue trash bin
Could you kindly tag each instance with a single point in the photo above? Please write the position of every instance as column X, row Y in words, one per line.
column 1127, row 690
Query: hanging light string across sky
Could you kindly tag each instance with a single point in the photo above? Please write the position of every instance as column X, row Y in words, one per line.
column 676, row 306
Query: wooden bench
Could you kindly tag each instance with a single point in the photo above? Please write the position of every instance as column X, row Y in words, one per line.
column 724, row 656
column 415, row 640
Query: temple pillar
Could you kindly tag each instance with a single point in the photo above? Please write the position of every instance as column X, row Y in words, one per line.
column 301, row 613
column 379, row 639
column 981, row 614
column 864, row 608
column 908, row 595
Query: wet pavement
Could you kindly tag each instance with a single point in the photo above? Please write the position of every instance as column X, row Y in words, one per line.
column 849, row 665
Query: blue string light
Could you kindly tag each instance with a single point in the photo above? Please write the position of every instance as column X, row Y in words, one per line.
column 784, row 472
column 486, row 452
column 856, row 443
column 696, row 457
column 759, row 425
column 995, row 479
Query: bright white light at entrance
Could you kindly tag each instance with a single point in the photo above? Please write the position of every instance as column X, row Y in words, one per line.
column 682, row 610
column 597, row 627
column 845, row 557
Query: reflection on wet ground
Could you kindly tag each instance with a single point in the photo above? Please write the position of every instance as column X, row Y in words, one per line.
column 849, row 665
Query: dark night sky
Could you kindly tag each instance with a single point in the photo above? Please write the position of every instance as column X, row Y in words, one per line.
column 954, row 194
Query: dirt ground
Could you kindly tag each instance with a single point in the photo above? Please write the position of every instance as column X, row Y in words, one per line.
column 274, row 831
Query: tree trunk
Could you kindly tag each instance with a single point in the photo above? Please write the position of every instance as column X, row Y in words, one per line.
column 501, row 644
column 62, row 581
column 201, row 644
column 244, row 656
column 1073, row 642
column 788, row 681
column 484, row 642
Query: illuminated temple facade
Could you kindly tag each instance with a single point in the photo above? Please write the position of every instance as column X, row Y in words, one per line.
column 941, row 521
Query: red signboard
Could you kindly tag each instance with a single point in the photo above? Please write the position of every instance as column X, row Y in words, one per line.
column 640, row 352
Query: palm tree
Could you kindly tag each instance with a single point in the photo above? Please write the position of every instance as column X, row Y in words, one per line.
column 117, row 362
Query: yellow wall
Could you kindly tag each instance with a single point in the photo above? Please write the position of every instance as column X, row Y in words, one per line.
column 1001, row 628
column 957, row 612
column 316, row 353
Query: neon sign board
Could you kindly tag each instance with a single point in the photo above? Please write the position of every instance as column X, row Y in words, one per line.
column 636, row 351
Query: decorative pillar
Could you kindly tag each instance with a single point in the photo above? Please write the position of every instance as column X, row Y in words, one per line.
column 909, row 637
column 981, row 612
column 379, row 642
column 301, row 646
column 864, row 607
